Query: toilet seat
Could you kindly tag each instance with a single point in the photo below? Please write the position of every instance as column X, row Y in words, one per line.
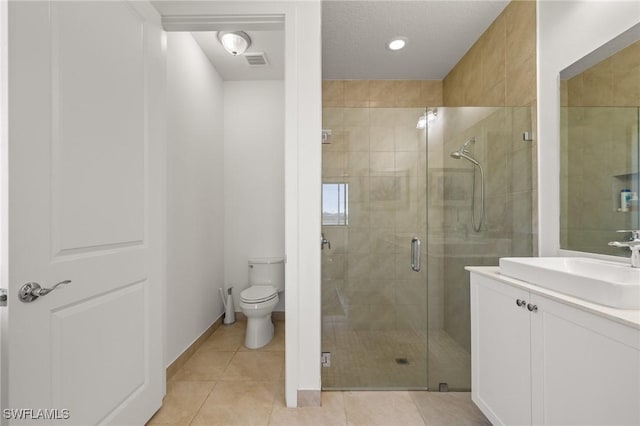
column 258, row 294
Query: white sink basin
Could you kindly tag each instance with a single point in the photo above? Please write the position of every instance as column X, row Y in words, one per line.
column 606, row 283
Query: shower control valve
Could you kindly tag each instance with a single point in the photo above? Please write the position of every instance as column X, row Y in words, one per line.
column 323, row 242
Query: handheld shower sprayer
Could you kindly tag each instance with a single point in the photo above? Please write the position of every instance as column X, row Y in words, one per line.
column 464, row 152
column 461, row 154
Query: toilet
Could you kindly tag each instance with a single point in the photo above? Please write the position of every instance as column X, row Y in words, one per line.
column 266, row 280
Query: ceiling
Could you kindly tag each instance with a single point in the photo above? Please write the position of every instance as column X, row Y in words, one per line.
column 355, row 33
column 354, row 37
column 230, row 67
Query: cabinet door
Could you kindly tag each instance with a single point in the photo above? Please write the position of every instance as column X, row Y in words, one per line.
column 585, row 369
column 500, row 352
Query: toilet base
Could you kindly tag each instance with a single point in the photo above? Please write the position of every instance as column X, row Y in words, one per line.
column 259, row 332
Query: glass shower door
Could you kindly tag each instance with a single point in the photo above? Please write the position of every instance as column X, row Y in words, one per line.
column 374, row 305
column 386, row 326
column 494, row 156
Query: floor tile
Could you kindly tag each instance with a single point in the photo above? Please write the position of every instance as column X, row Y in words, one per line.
column 381, row 408
column 224, row 342
column 237, row 327
column 182, row 402
column 256, row 366
column 205, row 364
column 331, row 413
column 364, row 359
column 449, row 408
column 237, row 403
column 225, row 383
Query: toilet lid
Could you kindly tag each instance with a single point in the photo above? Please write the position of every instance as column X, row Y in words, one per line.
column 258, row 293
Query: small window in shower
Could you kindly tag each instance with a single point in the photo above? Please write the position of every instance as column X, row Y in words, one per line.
column 335, row 204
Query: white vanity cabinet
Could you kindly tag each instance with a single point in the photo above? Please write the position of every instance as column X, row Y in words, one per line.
column 546, row 362
column 500, row 352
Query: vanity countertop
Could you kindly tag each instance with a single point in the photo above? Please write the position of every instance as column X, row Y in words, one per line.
column 627, row 317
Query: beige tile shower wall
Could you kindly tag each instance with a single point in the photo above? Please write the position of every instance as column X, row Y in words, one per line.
column 612, row 82
column 367, row 283
column 601, row 143
column 500, row 68
column 507, row 230
column 373, row 124
column 599, row 138
column 381, row 93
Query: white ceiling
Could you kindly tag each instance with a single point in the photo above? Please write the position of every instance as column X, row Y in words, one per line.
column 354, row 36
column 230, row 67
column 355, row 33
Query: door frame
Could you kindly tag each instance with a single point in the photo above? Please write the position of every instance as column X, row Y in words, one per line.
column 303, row 158
column 303, row 149
column 4, row 196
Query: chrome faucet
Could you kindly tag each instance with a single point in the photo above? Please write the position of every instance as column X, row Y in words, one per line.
column 633, row 244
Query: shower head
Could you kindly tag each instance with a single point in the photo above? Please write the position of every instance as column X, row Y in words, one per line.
column 463, row 152
column 458, row 155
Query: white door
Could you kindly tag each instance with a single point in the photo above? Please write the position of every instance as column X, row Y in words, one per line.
column 86, row 141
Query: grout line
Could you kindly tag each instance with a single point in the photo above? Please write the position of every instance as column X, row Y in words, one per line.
column 413, row 399
column 344, row 408
column 273, row 403
column 186, row 355
column 201, row 405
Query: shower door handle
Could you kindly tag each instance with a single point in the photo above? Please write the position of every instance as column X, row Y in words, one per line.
column 415, row 254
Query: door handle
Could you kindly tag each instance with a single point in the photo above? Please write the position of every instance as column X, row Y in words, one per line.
column 415, row 254
column 32, row 290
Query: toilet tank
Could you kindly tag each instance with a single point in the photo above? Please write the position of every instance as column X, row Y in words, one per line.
column 267, row 271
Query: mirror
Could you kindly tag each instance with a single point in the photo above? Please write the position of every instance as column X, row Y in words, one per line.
column 599, row 125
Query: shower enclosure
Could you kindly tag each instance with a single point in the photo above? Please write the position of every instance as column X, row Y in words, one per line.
column 398, row 220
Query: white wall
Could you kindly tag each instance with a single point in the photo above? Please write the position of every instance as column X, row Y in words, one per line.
column 195, row 193
column 567, row 30
column 253, row 178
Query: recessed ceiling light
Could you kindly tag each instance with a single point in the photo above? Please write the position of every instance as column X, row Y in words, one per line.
column 397, row 43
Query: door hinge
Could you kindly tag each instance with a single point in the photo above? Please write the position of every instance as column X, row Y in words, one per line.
column 325, row 359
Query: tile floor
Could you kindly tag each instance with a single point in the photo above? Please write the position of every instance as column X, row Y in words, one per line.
column 365, row 359
column 224, row 383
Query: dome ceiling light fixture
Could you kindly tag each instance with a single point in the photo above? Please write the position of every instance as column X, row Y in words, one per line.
column 234, row 42
column 397, row 43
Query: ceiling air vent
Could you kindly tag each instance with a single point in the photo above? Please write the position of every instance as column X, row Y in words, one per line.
column 256, row 59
